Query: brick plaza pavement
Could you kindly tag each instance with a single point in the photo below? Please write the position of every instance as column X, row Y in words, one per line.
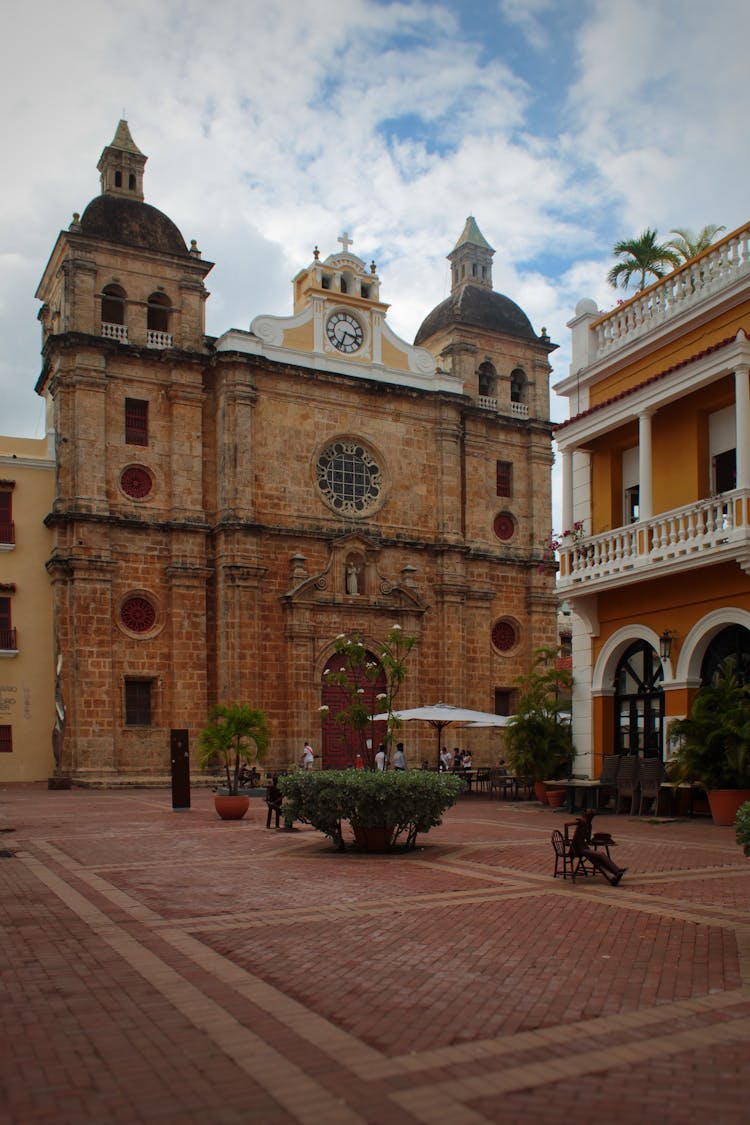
column 169, row 967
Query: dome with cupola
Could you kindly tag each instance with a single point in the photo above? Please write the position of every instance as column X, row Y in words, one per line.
column 472, row 301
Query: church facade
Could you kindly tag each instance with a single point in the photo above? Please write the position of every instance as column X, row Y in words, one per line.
column 226, row 508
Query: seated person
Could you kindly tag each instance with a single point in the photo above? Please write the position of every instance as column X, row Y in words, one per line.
column 580, row 845
column 274, row 799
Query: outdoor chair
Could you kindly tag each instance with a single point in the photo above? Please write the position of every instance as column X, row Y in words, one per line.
column 608, row 779
column 627, row 783
column 501, row 783
column 482, row 779
column 566, row 863
column 650, row 777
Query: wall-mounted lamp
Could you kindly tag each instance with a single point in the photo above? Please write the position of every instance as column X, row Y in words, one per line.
column 665, row 644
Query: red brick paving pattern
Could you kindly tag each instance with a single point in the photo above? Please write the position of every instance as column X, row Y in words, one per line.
column 168, row 967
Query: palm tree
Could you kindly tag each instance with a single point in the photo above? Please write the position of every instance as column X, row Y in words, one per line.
column 641, row 256
column 687, row 244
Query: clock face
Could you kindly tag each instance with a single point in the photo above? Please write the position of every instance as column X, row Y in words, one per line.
column 345, row 332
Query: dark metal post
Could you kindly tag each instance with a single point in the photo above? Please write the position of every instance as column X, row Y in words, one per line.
column 179, row 746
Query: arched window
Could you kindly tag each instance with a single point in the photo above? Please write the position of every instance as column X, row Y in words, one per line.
column 131, row 181
column 157, row 321
column 113, row 304
column 729, row 648
column 487, row 380
column 518, row 385
column 118, row 179
column 113, row 313
column 639, row 702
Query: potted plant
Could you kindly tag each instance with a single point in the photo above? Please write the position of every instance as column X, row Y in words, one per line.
column 714, row 745
column 235, row 734
column 381, row 808
column 538, row 740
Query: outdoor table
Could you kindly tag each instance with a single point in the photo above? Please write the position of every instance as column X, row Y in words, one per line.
column 674, row 788
column 587, row 786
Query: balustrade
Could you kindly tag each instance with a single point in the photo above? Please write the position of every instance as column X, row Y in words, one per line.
column 156, row 339
column 115, row 332
column 719, row 525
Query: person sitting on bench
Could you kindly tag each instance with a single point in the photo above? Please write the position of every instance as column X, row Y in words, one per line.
column 580, row 845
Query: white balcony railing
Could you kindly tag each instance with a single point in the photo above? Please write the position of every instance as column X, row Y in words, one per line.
column 487, row 402
column 700, row 533
column 519, row 410
column 156, row 339
column 115, row 332
column 713, row 270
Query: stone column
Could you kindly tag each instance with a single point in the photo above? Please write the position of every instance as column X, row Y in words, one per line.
column 645, row 476
column 742, row 423
column 567, row 488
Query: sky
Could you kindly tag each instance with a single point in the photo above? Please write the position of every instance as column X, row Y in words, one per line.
column 561, row 125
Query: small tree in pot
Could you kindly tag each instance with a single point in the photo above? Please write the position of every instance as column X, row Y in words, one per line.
column 538, row 741
column 234, row 734
column 714, row 744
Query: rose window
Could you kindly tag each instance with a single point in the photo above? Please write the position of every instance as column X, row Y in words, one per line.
column 504, row 635
column 504, row 526
column 136, row 482
column 349, row 478
column 138, row 615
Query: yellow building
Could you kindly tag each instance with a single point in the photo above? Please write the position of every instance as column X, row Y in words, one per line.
column 27, row 488
column 655, row 555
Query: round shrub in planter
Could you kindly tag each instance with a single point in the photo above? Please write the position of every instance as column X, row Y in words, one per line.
column 383, row 809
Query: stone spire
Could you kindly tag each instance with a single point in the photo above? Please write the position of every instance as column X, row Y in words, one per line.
column 471, row 258
column 121, row 165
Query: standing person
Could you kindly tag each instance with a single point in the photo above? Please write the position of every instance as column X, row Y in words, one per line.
column 466, row 760
column 274, row 798
column 457, row 766
column 445, row 759
column 308, row 757
column 380, row 758
column 399, row 758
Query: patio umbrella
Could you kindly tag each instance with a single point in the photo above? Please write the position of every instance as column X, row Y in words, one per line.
column 441, row 715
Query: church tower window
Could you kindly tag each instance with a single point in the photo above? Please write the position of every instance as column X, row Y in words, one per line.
column 131, row 181
column 138, row 703
column 113, row 313
column 518, row 385
column 504, row 474
column 157, row 321
column 118, row 179
column 136, row 421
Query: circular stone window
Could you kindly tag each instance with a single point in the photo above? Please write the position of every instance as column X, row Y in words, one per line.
column 504, row 635
column 504, row 526
column 136, row 482
column 138, row 614
column 349, row 478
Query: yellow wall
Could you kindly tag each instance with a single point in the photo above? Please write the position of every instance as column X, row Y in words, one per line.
column 27, row 680
column 726, row 325
column 681, row 470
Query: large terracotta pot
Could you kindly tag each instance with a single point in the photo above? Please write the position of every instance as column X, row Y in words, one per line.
column 374, row 837
column 724, row 804
column 540, row 792
column 556, row 798
column 231, row 808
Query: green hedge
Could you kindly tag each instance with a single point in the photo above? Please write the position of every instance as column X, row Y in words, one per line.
column 743, row 827
column 411, row 801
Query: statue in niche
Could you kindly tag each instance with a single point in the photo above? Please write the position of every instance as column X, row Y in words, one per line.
column 352, row 577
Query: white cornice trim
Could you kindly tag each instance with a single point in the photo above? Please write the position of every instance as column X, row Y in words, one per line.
column 26, row 462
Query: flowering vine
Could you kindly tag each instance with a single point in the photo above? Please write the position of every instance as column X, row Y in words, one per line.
column 571, row 535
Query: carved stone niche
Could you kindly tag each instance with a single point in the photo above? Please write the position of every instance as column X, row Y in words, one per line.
column 352, row 578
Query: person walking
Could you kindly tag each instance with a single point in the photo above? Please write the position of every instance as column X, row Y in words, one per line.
column 399, row 758
column 308, row 758
column 380, row 757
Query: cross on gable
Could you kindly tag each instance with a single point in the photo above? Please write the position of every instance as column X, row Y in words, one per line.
column 345, row 241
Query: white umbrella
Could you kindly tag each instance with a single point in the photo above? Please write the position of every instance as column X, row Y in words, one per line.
column 441, row 715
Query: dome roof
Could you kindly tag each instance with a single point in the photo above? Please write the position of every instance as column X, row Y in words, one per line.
column 477, row 307
column 132, row 223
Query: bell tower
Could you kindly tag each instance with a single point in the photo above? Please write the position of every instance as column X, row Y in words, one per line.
column 471, row 258
column 121, row 165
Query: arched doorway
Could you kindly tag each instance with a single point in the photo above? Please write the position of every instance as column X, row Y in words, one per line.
column 730, row 647
column 342, row 743
column 639, row 702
